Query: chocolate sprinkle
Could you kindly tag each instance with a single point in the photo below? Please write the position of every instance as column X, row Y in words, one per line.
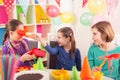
column 33, row 76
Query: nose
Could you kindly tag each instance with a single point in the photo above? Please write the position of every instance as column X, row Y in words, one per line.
column 21, row 32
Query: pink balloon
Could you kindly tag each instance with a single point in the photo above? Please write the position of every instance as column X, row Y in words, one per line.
column 52, row 11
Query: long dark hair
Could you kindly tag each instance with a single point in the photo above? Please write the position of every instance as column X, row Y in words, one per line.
column 11, row 26
column 68, row 32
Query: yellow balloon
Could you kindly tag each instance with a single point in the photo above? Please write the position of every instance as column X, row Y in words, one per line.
column 1, row 1
column 67, row 17
column 96, row 6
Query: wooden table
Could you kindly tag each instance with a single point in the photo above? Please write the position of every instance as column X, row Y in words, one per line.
column 49, row 71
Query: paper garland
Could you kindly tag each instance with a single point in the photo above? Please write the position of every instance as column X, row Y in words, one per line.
column 8, row 5
column 84, row 3
column 42, row 3
column 24, row 4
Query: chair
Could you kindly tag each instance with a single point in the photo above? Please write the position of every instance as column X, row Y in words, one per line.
column 33, row 44
column 52, row 58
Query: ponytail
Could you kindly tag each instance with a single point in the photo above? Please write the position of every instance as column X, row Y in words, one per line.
column 4, row 37
column 6, row 34
column 73, row 46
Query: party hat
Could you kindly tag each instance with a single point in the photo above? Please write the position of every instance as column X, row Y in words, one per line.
column 86, row 71
column 74, row 75
column 40, row 65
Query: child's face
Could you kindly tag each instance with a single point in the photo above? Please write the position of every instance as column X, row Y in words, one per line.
column 14, row 35
column 96, row 36
column 62, row 41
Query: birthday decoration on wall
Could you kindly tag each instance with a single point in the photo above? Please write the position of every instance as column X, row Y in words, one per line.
column 96, row 6
column 42, row 3
column 1, row 1
column 66, row 17
column 111, row 4
column 52, row 11
column 24, row 4
column 58, row 2
column 3, row 15
column 56, row 20
column 8, row 5
column 99, row 8
column 86, row 18
column 84, row 3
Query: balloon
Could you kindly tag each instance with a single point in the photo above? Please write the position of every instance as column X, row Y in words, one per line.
column 57, row 20
column 1, row 1
column 86, row 18
column 96, row 6
column 67, row 17
column 52, row 11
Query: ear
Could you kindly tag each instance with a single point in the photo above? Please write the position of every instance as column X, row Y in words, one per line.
column 11, row 32
column 68, row 38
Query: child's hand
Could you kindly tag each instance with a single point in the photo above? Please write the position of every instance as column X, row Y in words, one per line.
column 35, row 36
column 39, row 38
column 27, row 57
column 96, row 68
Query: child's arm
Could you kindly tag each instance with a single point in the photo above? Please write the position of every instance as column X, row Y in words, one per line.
column 27, row 57
column 92, row 62
column 44, row 43
column 91, row 58
column 39, row 38
column 78, row 59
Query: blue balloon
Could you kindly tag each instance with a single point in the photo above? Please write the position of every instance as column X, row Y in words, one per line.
column 56, row 20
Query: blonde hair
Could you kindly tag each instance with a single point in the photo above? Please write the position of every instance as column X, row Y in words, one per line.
column 105, row 29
